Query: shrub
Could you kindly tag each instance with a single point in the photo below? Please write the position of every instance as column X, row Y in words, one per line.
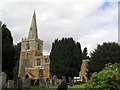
column 109, row 77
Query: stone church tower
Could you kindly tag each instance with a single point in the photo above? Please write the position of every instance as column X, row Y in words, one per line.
column 32, row 53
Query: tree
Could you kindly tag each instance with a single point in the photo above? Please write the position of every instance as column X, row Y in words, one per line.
column 66, row 58
column 8, row 52
column 17, row 57
column 0, row 24
column 85, row 53
column 106, row 53
column 109, row 77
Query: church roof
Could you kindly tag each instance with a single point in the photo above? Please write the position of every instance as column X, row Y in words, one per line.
column 33, row 28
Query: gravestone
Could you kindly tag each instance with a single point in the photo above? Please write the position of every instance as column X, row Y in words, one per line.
column 50, row 81
column 53, row 83
column 59, row 81
column 47, row 82
column 55, row 79
column 62, row 85
column 15, row 80
column 28, row 82
column 19, row 84
column 42, row 82
column 63, row 78
column 10, row 84
column 0, row 81
column 3, row 77
column 71, row 82
column 23, row 83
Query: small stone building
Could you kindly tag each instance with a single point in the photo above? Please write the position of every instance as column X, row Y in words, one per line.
column 83, row 72
column 32, row 61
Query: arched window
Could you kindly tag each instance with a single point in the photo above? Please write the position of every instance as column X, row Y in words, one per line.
column 38, row 62
column 28, row 46
column 41, row 73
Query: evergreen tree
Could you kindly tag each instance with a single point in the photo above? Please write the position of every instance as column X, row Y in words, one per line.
column 85, row 53
column 106, row 53
column 66, row 58
column 8, row 52
column 17, row 57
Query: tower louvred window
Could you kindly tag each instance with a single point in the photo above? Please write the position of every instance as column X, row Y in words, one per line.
column 46, row 60
column 28, row 46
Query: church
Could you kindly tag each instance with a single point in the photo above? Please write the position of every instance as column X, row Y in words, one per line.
column 32, row 62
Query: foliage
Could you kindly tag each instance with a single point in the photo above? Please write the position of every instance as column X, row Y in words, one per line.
column 0, row 24
column 106, row 53
column 109, row 77
column 8, row 52
column 66, row 58
column 17, row 56
column 84, row 53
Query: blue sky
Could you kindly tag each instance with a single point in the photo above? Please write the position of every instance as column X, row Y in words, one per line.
column 105, row 5
column 89, row 22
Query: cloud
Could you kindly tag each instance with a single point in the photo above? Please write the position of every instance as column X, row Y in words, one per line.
column 89, row 22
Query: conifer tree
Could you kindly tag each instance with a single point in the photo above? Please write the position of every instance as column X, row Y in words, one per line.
column 66, row 58
column 103, row 54
column 8, row 52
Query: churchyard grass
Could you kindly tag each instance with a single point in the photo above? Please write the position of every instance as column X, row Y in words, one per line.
column 54, row 87
column 81, row 86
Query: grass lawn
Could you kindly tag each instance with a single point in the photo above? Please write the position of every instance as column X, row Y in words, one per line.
column 82, row 86
column 75, row 87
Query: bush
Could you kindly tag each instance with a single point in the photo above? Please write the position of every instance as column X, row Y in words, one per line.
column 109, row 77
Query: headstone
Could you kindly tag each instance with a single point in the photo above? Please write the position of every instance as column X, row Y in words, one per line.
column 71, row 82
column 55, row 79
column 42, row 82
column 50, row 81
column 47, row 82
column 23, row 83
column 59, row 81
column 10, row 84
column 63, row 78
column 28, row 82
column 15, row 81
column 0, row 81
column 19, row 84
column 53, row 83
column 62, row 85
column 3, row 77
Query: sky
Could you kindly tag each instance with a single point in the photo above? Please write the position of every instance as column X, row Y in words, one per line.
column 89, row 22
